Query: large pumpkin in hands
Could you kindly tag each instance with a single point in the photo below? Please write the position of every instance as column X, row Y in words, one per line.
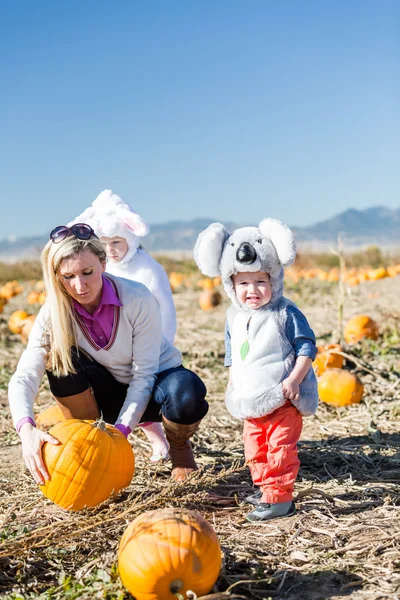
column 167, row 552
column 340, row 388
column 328, row 358
column 359, row 327
column 93, row 462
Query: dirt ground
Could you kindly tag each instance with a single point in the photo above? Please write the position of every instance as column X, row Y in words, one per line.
column 343, row 542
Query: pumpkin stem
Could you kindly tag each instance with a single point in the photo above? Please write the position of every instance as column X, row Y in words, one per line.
column 100, row 423
column 175, row 586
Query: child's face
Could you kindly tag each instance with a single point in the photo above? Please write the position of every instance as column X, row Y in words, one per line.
column 116, row 247
column 252, row 289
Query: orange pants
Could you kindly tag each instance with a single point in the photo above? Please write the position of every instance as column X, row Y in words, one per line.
column 270, row 448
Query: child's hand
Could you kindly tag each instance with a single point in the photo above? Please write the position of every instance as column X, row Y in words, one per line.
column 291, row 389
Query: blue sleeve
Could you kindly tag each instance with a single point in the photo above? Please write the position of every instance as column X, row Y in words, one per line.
column 300, row 334
column 228, row 351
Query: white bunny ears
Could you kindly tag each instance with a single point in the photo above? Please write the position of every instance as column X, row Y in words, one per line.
column 110, row 216
column 111, row 213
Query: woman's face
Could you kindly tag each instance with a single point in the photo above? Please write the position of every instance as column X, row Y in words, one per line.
column 116, row 247
column 81, row 275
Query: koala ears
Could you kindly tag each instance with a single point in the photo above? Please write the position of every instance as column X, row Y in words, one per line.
column 132, row 221
column 282, row 239
column 207, row 251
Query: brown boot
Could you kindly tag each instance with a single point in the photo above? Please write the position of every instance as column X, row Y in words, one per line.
column 79, row 406
column 180, row 448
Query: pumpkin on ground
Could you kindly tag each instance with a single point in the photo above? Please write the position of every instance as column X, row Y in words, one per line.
column 327, row 358
column 93, row 462
column 33, row 297
column 26, row 328
column 209, row 299
column 16, row 320
column 359, row 327
column 167, row 552
column 340, row 388
column 50, row 416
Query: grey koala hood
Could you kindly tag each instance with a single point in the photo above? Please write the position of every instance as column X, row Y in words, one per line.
column 268, row 248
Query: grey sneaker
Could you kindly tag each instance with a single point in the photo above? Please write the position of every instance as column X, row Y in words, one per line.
column 264, row 511
column 254, row 498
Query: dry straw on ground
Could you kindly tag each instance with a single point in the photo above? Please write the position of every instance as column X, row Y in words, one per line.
column 344, row 540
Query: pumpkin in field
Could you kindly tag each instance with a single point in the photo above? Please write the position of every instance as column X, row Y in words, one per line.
column 164, row 553
column 93, row 462
column 42, row 298
column 16, row 320
column 327, row 358
column 340, row 388
column 33, row 297
column 359, row 327
column 208, row 299
column 379, row 273
column 50, row 416
column 26, row 328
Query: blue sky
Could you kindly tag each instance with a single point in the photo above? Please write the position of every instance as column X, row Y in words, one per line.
column 233, row 110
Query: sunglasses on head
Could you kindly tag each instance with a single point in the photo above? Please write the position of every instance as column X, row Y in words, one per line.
column 82, row 231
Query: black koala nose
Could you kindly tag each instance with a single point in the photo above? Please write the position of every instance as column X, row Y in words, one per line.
column 246, row 254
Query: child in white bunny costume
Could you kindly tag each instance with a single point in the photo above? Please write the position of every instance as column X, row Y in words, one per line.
column 121, row 229
column 269, row 349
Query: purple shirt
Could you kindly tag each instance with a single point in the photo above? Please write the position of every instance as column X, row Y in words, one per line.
column 100, row 323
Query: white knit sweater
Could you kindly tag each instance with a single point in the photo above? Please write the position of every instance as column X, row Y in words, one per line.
column 136, row 352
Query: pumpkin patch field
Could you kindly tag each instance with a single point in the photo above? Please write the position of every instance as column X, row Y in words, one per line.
column 343, row 541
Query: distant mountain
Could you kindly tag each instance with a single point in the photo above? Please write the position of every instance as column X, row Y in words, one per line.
column 378, row 225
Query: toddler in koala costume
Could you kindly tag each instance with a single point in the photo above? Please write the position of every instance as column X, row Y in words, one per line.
column 269, row 349
column 120, row 230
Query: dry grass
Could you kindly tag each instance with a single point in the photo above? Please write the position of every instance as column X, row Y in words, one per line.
column 344, row 540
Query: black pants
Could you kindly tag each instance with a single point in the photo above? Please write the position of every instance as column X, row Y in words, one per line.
column 178, row 393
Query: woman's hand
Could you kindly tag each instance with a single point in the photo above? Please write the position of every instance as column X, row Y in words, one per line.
column 32, row 440
column 291, row 389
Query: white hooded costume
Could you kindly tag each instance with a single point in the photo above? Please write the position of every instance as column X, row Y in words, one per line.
column 110, row 216
column 275, row 333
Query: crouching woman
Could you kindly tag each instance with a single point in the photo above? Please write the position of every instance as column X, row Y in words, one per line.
column 99, row 340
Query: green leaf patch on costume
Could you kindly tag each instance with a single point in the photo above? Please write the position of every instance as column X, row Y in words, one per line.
column 244, row 350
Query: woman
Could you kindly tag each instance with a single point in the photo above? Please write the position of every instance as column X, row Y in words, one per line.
column 99, row 340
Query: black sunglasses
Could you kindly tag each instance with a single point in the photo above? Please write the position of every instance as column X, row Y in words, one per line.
column 82, row 231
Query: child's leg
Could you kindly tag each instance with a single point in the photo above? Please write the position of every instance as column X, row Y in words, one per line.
column 283, row 429
column 255, row 448
column 156, row 436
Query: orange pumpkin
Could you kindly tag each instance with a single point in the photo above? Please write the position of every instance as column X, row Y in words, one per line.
column 166, row 552
column 26, row 328
column 359, row 327
column 327, row 358
column 209, row 299
column 50, row 416
column 42, row 298
column 16, row 320
column 379, row 273
column 93, row 462
column 33, row 297
column 340, row 388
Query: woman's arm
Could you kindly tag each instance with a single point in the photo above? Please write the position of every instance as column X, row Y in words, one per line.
column 22, row 390
column 25, row 382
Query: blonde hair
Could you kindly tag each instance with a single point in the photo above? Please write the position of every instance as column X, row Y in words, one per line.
column 60, row 328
